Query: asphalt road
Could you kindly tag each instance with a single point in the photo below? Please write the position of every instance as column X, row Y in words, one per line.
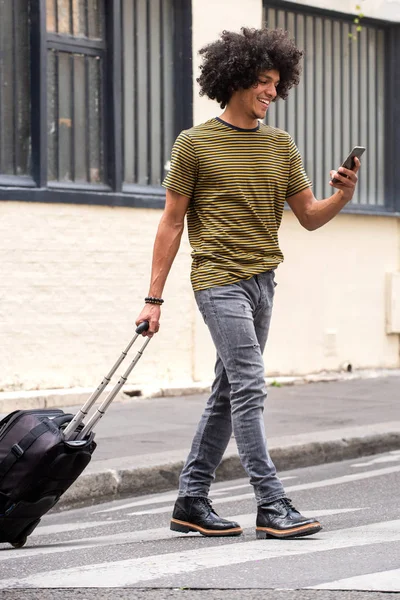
column 127, row 544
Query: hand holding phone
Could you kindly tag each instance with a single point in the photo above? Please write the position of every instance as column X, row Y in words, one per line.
column 349, row 163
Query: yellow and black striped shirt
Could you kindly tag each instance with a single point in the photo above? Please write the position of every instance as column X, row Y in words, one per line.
column 237, row 181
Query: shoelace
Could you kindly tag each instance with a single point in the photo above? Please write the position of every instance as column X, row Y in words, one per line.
column 287, row 502
column 207, row 502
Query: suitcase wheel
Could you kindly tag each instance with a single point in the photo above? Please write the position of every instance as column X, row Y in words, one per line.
column 19, row 543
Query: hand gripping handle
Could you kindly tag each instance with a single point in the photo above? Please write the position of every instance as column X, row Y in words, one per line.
column 142, row 327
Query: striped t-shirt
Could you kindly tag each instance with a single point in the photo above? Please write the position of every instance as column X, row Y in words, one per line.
column 237, row 181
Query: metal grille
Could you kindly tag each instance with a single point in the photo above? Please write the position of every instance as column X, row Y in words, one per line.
column 75, row 84
column 148, row 84
column 75, row 148
column 79, row 18
column 340, row 100
column 15, row 131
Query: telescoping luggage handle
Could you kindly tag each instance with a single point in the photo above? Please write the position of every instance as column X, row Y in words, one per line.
column 70, row 430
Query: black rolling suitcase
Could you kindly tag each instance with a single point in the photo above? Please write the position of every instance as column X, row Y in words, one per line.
column 42, row 453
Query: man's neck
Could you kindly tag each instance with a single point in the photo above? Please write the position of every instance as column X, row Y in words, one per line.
column 240, row 120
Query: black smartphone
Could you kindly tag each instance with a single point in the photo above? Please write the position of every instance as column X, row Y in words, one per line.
column 357, row 151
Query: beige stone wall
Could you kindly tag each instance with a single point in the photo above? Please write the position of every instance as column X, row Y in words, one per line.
column 73, row 279
column 336, row 277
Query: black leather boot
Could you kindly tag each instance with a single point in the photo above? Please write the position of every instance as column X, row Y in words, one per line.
column 280, row 519
column 197, row 514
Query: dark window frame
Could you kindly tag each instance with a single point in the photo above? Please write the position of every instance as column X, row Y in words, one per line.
column 392, row 108
column 25, row 179
column 113, row 193
column 87, row 47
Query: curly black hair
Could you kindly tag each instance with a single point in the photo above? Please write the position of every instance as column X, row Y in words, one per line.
column 236, row 60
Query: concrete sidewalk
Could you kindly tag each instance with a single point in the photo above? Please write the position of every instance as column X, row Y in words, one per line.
column 142, row 443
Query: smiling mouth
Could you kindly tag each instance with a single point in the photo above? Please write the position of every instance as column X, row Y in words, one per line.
column 264, row 102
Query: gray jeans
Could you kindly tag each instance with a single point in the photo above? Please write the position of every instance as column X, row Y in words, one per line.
column 238, row 317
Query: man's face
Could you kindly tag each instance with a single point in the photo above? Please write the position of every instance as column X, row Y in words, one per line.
column 256, row 100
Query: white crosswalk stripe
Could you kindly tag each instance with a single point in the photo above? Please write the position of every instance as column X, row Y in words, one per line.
column 393, row 456
column 247, row 521
column 298, row 487
column 67, row 527
column 384, row 580
column 314, row 513
column 170, row 497
column 136, row 571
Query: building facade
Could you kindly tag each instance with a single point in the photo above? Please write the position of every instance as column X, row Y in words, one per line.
column 92, row 95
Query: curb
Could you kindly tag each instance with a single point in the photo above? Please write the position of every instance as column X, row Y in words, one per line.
column 105, row 486
column 59, row 398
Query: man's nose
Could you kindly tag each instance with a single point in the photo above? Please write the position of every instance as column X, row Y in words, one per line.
column 272, row 91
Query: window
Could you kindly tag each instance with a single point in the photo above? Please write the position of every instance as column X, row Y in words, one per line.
column 342, row 99
column 15, row 132
column 87, row 106
column 75, row 78
column 148, row 84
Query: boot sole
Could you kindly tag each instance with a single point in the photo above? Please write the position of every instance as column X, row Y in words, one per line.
column 263, row 533
column 185, row 527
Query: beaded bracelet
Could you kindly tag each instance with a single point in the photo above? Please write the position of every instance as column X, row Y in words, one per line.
column 153, row 300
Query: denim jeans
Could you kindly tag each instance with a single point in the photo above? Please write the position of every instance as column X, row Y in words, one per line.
column 238, row 317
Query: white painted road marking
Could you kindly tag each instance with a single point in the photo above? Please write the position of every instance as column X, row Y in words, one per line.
column 393, row 456
column 67, row 527
column 300, row 486
column 247, row 521
column 171, row 497
column 383, row 581
column 292, row 488
column 134, row 571
column 167, row 509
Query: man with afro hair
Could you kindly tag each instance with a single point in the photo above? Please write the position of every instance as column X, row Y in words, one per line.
column 231, row 177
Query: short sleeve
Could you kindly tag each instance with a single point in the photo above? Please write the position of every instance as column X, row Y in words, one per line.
column 298, row 180
column 182, row 175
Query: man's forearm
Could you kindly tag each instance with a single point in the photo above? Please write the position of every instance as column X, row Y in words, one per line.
column 166, row 246
column 322, row 211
